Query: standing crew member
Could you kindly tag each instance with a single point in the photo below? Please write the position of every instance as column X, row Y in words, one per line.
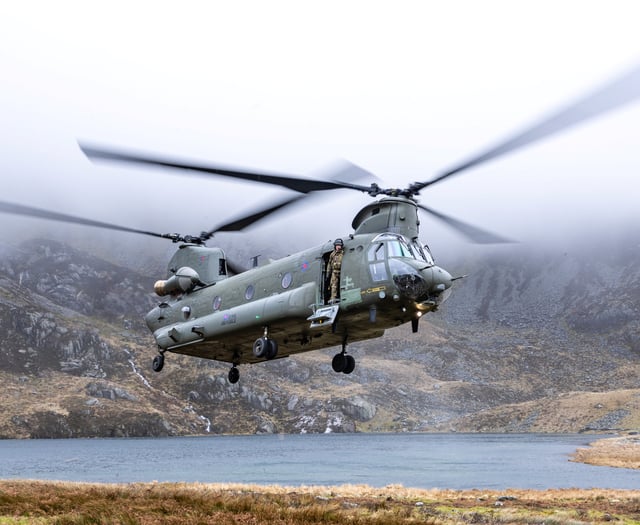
column 335, row 263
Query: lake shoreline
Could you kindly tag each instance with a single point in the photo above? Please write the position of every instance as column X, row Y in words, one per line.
column 620, row 452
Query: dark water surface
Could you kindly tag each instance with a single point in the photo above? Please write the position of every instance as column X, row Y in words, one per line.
column 457, row 461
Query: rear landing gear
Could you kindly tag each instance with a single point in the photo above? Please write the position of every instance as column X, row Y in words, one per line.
column 265, row 347
column 158, row 363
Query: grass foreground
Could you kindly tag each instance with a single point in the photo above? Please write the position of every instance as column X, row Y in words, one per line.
column 42, row 502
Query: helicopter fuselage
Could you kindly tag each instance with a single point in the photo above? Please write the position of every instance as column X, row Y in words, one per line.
column 387, row 279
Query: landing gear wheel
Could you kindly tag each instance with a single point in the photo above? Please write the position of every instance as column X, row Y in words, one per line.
column 273, row 349
column 234, row 375
column 260, row 347
column 339, row 362
column 350, row 364
column 158, row 363
column 265, row 348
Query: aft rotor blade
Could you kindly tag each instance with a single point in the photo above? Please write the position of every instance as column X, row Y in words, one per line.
column 472, row 233
column 19, row 209
column 234, row 268
column 298, row 184
column 622, row 91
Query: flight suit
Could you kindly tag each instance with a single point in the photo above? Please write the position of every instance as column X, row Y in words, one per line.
column 335, row 264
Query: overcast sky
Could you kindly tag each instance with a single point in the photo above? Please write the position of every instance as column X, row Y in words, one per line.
column 403, row 89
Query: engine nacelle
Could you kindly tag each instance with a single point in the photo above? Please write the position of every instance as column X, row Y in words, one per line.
column 184, row 280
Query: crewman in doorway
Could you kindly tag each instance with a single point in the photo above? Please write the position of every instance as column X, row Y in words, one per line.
column 335, row 263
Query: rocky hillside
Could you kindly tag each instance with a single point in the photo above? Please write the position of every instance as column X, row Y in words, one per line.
column 529, row 341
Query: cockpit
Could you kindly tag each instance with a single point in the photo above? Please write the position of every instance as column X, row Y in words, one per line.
column 408, row 264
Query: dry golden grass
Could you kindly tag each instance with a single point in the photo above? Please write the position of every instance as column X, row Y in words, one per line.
column 621, row 451
column 151, row 503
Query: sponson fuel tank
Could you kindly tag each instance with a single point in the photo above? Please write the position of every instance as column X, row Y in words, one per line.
column 171, row 330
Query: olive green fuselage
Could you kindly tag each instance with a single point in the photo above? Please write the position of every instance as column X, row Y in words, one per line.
column 387, row 279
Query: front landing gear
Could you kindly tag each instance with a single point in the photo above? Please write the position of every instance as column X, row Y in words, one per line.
column 343, row 362
column 234, row 375
column 158, row 363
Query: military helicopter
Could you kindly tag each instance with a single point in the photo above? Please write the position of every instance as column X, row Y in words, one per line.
column 209, row 309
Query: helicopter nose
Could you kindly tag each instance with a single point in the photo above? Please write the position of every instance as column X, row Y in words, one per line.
column 441, row 280
column 441, row 285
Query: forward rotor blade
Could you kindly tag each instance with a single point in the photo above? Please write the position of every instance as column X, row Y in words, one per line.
column 622, row 91
column 248, row 220
column 343, row 170
column 298, row 184
column 472, row 233
column 19, row 209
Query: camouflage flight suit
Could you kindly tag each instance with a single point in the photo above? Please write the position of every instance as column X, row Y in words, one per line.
column 335, row 263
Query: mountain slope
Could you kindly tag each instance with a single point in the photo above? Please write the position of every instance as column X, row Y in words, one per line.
column 530, row 341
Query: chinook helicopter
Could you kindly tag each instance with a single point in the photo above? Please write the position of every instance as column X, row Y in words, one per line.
column 210, row 309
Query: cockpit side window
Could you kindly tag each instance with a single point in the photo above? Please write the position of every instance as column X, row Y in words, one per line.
column 378, row 271
column 376, row 252
column 377, row 265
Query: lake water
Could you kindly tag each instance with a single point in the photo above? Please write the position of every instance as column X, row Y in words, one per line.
column 456, row 461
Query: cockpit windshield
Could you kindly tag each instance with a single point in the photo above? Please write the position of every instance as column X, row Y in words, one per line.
column 399, row 246
column 423, row 253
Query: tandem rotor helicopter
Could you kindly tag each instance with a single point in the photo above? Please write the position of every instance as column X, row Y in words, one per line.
column 388, row 277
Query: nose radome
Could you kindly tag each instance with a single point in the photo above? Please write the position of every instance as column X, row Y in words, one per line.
column 441, row 279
